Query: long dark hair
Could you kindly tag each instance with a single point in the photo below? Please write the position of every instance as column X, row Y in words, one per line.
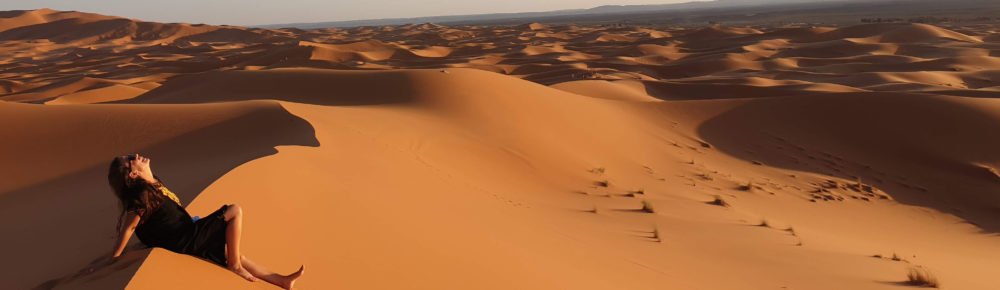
column 134, row 194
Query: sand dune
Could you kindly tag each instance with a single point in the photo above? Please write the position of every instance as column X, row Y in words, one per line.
column 99, row 95
column 77, row 140
column 899, row 33
column 535, row 156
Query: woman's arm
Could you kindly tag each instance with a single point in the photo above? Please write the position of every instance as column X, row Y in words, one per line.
column 131, row 221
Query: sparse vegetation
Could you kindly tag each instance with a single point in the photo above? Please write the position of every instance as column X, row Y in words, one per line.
column 634, row 193
column 719, row 202
column 647, row 206
column 602, row 183
column 920, row 276
column 598, row 170
column 656, row 234
column 894, row 257
column 763, row 223
column 746, row 187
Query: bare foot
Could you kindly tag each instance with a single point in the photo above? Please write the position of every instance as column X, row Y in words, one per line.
column 243, row 273
column 289, row 282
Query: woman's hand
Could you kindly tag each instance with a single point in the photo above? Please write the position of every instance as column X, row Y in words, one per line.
column 140, row 169
column 131, row 221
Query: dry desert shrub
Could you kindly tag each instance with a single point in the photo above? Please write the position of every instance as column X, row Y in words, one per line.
column 719, row 202
column 647, row 206
column 920, row 276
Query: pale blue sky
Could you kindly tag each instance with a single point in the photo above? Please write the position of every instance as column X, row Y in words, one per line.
column 256, row 12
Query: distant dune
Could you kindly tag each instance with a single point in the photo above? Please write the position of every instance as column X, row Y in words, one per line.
column 527, row 156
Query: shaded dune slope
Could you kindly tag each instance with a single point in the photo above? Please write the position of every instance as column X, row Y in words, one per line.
column 62, row 187
column 913, row 147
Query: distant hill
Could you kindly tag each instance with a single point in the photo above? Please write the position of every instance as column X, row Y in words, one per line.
column 529, row 16
column 701, row 12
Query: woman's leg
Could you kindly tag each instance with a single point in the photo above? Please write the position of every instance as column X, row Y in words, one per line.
column 234, row 228
column 283, row 281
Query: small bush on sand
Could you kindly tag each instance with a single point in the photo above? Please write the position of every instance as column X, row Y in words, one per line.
column 919, row 276
column 647, row 206
column 719, row 202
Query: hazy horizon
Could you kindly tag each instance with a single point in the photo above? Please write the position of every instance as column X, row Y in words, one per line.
column 303, row 11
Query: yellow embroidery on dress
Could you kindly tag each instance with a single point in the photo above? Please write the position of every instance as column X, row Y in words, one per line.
column 170, row 194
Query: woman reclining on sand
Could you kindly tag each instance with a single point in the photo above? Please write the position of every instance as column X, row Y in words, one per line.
column 156, row 216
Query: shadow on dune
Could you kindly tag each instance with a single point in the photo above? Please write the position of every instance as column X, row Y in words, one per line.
column 929, row 151
column 103, row 275
column 68, row 30
column 54, row 230
column 678, row 91
column 308, row 86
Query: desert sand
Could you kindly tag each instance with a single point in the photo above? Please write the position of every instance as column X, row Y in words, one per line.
column 510, row 157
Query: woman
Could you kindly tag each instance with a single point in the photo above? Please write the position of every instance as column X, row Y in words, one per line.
column 156, row 216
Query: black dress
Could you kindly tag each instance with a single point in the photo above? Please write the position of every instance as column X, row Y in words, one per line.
column 170, row 227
